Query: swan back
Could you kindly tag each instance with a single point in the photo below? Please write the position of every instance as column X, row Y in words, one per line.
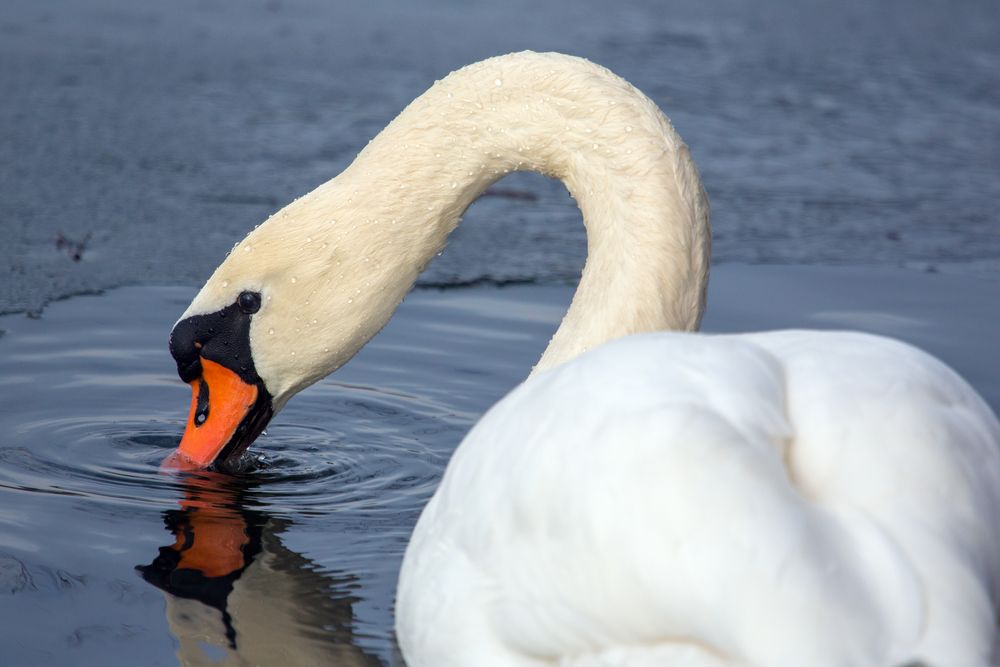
column 774, row 499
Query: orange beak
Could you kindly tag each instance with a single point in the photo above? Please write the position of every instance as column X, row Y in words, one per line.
column 220, row 402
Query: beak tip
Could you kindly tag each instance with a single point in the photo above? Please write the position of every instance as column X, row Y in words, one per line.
column 178, row 461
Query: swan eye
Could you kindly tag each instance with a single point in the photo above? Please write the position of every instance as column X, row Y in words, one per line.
column 249, row 302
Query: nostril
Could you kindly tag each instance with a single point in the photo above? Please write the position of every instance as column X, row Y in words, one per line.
column 201, row 412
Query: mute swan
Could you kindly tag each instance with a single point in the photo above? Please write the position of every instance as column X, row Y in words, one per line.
column 775, row 499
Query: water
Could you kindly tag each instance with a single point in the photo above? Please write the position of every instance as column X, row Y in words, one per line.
column 827, row 131
column 304, row 548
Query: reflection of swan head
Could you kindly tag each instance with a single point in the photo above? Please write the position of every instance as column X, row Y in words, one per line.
column 214, row 544
column 236, row 595
column 305, row 290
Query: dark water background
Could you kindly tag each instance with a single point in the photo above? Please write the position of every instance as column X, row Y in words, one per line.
column 843, row 131
column 139, row 140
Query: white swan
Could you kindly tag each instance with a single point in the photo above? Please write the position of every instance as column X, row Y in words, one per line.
column 775, row 499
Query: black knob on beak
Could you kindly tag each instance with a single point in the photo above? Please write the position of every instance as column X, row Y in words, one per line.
column 222, row 337
column 185, row 347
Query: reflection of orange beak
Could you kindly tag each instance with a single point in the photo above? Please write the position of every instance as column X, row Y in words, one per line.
column 220, row 401
column 215, row 540
column 215, row 545
column 216, row 533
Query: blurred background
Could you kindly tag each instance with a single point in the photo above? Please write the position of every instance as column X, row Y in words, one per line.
column 140, row 140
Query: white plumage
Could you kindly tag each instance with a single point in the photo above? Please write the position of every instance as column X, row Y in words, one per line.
column 787, row 498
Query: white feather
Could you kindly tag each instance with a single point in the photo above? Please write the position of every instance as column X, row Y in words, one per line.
column 787, row 498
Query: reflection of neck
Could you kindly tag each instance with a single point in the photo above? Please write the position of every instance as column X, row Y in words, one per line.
column 642, row 203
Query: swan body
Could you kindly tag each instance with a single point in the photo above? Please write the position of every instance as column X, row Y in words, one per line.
column 785, row 498
column 776, row 499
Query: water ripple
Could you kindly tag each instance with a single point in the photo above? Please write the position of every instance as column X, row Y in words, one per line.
column 295, row 467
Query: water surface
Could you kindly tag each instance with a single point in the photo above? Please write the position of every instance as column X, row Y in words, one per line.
column 295, row 560
column 827, row 131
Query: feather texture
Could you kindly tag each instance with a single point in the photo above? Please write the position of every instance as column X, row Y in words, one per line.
column 786, row 498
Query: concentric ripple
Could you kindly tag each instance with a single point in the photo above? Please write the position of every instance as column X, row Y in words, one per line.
column 293, row 468
column 109, row 460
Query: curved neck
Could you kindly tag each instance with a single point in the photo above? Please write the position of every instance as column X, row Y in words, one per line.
column 642, row 202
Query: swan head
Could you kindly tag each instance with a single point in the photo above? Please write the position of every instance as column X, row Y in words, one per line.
column 302, row 293
column 292, row 302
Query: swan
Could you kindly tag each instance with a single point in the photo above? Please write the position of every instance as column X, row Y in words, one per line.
column 649, row 495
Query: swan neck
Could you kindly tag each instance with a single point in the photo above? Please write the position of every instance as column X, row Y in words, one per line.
column 640, row 196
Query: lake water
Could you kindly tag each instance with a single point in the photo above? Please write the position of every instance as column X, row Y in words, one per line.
column 827, row 131
column 92, row 404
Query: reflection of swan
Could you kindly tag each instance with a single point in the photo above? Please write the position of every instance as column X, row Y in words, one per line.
column 235, row 595
column 770, row 499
